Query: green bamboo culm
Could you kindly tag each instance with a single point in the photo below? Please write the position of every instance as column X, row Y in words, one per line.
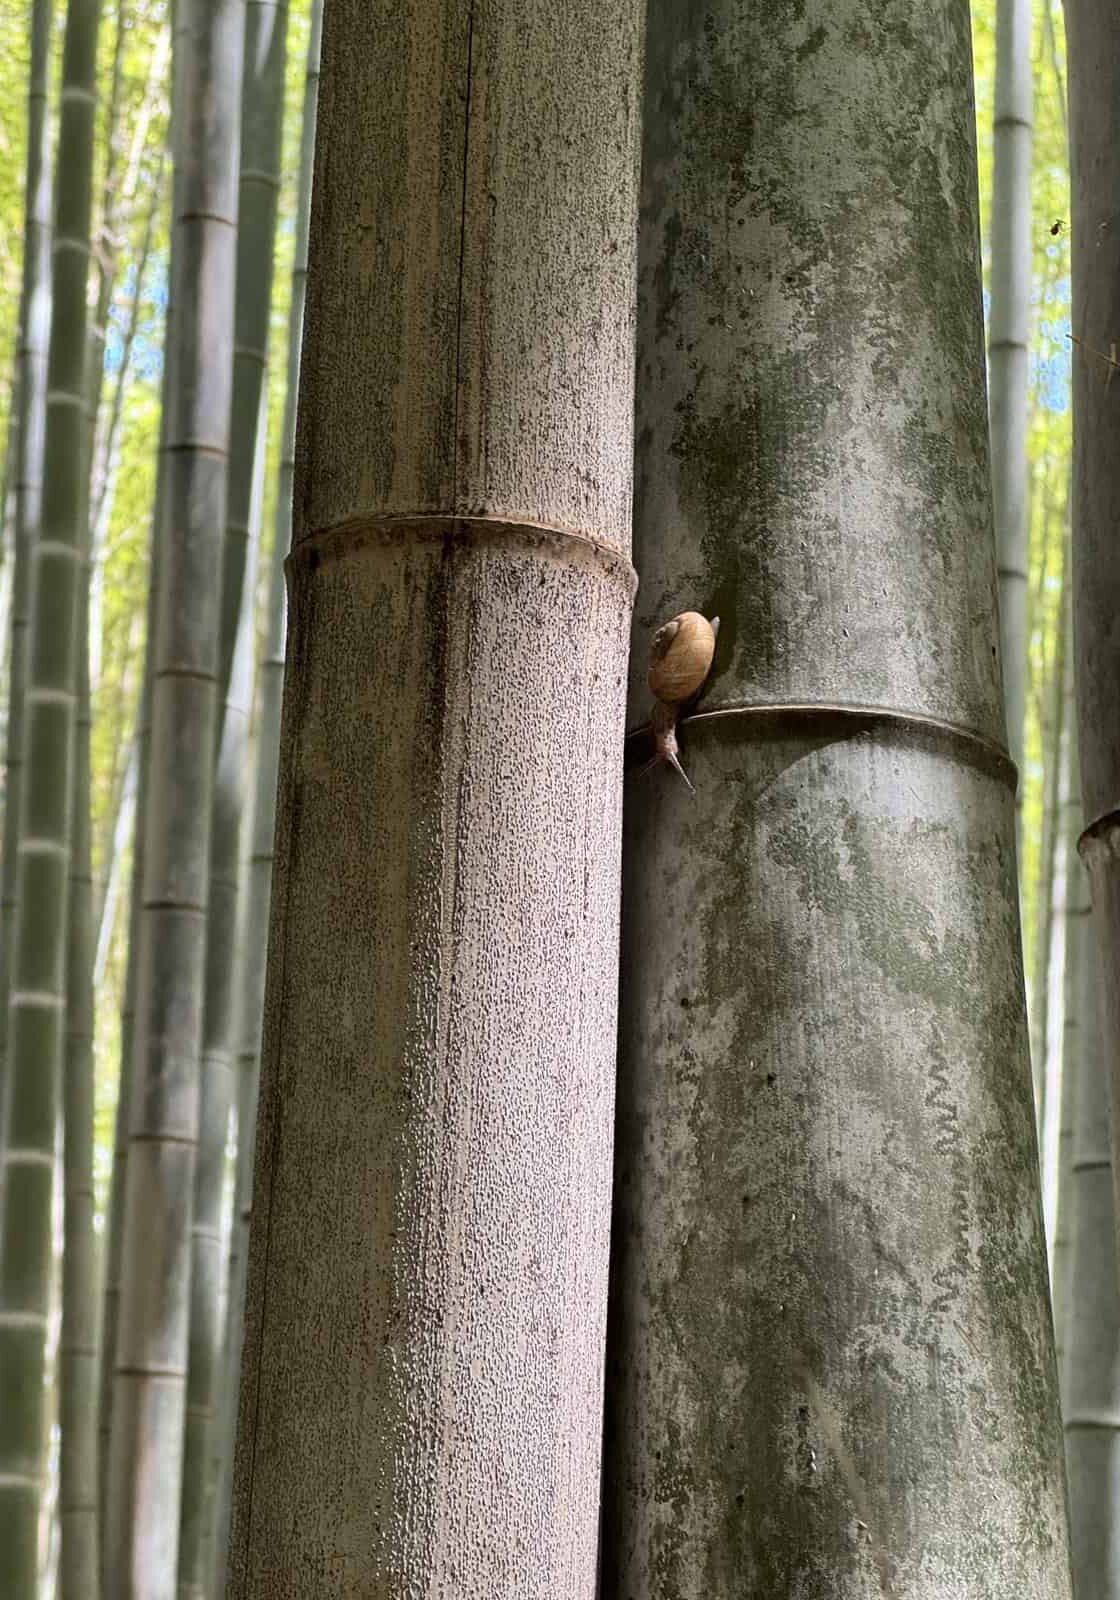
column 266, row 28
column 1008, row 337
column 1092, row 1389
column 1092, row 1368
column 1076, row 1034
column 108, row 241
column 1053, row 876
column 266, row 36
column 115, row 1221
column 27, row 477
column 150, row 1366
column 258, row 892
column 78, row 1574
column 36, row 1006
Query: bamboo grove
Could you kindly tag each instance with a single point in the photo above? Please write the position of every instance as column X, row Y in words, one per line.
column 382, row 1210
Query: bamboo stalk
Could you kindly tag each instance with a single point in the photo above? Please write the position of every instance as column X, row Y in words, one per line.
column 1092, row 1371
column 27, row 480
column 258, row 188
column 829, row 1316
column 270, row 687
column 433, row 1143
column 36, row 1002
column 1050, row 894
column 1093, row 57
column 146, row 1443
column 78, row 1355
column 1008, row 337
column 1077, row 909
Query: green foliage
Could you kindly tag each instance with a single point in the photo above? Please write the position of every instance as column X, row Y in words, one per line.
column 132, row 133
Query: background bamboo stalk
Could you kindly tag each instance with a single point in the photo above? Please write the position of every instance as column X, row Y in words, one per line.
column 114, row 1241
column 1076, row 911
column 78, row 1509
column 1092, row 1372
column 270, row 686
column 259, row 182
column 1008, row 339
column 37, row 997
column 27, row 478
column 146, row 1443
column 1051, row 944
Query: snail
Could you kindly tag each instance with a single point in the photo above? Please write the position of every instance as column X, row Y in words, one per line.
column 680, row 659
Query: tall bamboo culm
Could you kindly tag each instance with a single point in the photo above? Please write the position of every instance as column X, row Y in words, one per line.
column 830, row 1318
column 1092, row 1365
column 270, row 686
column 114, row 1231
column 114, row 1240
column 1008, row 336
column 149, row 1400
column 27, row 479
column 1093, row 53
column 262, row 111
column 37, row 997
column 78, row 1372
column 261, row 132
column 421, row 1395
column 1075, row 1034
column 1051, row 892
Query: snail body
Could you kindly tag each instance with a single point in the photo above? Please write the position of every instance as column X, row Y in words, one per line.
column 680, row 660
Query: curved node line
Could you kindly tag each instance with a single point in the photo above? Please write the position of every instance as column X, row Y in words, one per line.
column 972, row 746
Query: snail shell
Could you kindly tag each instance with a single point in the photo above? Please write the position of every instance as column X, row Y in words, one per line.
column 681, row 657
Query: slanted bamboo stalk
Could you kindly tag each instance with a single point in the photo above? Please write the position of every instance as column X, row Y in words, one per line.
column 1050, row 940
column 107, row 447
column 1047, row 693
column 105, row 229
column 1073, row 1024
column 122, row 823
column 114, row 1242
column 266, row 34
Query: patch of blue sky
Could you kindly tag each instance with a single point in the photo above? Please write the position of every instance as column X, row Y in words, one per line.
column 146, row 356
column 1052, row 347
